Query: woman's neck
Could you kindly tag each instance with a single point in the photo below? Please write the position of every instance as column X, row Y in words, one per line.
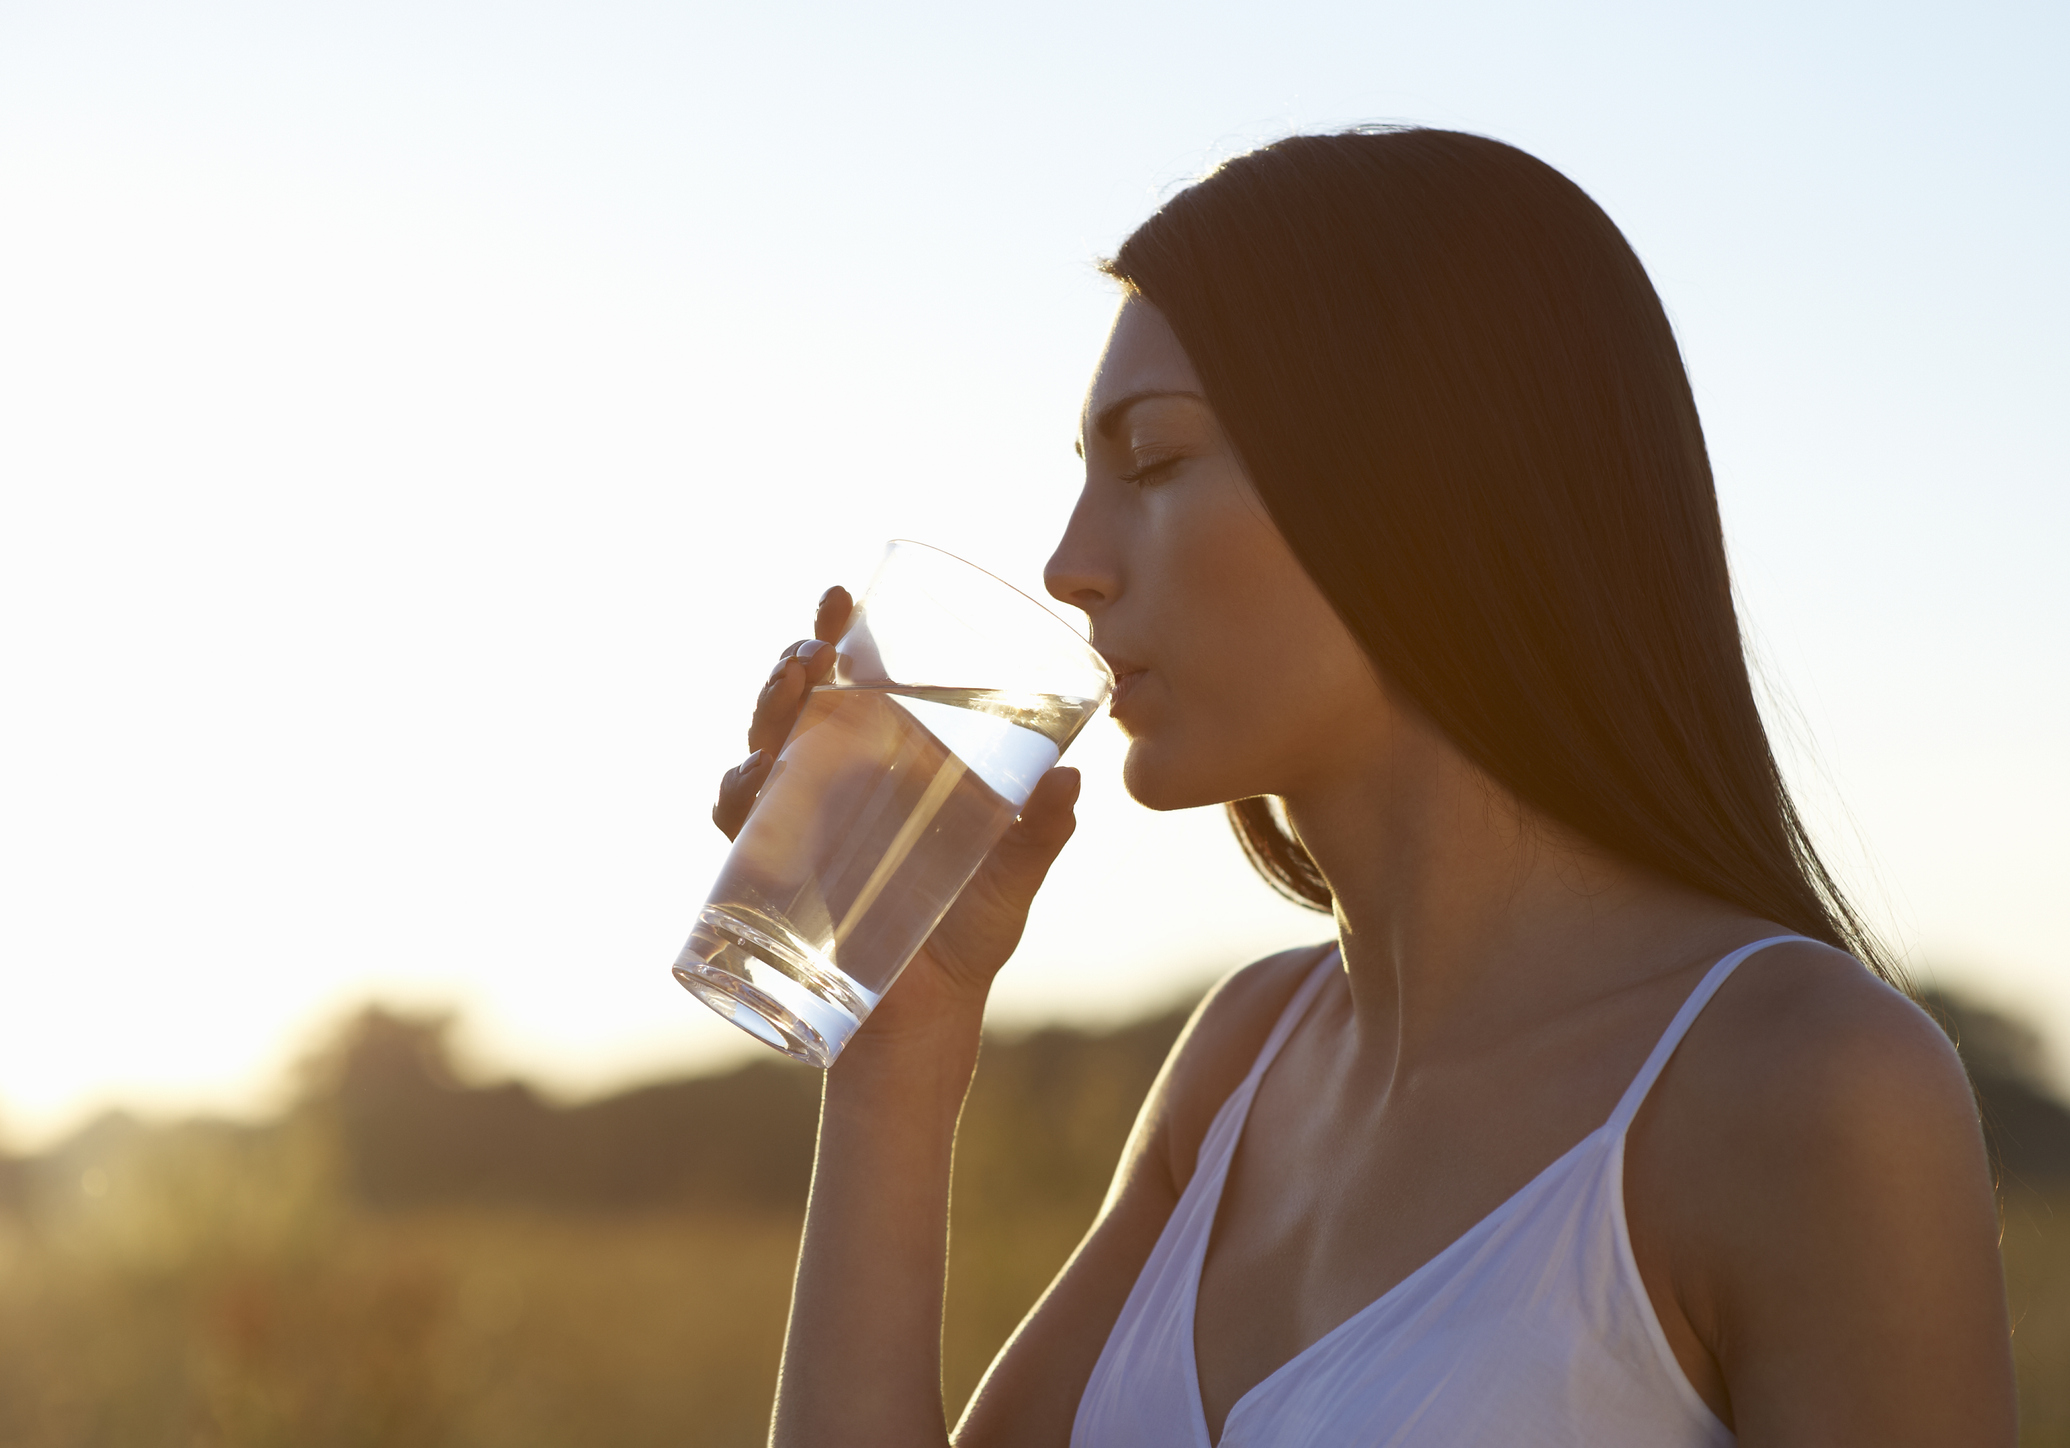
column 1458, row 907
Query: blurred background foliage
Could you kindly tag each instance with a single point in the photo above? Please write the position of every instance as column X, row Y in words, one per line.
column 407, row 1259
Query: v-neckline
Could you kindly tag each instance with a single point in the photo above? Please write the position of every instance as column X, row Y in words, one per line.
column 1611, row 1130
column 1484, row 1224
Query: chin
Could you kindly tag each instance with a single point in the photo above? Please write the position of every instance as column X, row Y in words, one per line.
column 1161, row 778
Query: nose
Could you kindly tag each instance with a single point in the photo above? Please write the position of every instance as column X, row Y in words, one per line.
column 1082, row 571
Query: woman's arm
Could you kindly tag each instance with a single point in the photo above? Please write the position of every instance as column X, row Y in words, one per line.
column 862, row 1352
column 862, row 1355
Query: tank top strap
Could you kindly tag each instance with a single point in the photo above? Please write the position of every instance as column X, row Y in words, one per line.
column 1635, row 1094
column 1219, row 1145
column 1290, row 1017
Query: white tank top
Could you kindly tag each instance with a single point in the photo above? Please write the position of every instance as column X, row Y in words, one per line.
column 1533, row 1328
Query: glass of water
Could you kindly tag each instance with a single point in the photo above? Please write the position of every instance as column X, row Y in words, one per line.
column 952, row 693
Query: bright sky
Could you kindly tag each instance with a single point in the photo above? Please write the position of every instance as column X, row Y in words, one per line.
column 421, row 424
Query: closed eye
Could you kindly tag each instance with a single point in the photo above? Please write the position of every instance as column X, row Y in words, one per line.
column 1152, row 470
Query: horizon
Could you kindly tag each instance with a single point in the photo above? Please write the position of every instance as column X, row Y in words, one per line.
column 2040, row 1065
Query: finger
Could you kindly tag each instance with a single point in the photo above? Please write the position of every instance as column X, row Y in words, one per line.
column 831, row 621
column 1020, row 861
column 787, row 655
column 1050, row 816
column 737, row 789
column 802, row 665
column 818, row 658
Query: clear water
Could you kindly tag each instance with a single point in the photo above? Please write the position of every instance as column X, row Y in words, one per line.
column 878, row 811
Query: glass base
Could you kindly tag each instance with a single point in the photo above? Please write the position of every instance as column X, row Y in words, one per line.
column 745, row 968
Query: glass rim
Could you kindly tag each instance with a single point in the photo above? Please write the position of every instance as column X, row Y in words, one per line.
column 1034, row 602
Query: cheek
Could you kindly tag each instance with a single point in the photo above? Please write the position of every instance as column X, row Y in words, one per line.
column 1255, row 622
column 1254, row 661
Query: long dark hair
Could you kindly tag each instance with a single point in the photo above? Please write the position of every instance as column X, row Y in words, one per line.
column 1454, row 389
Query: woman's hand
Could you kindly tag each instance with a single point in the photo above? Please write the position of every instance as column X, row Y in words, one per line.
column 954, row 969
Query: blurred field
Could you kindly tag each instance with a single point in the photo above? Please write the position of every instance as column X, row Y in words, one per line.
column 408, row 1261
column 2037, row 1277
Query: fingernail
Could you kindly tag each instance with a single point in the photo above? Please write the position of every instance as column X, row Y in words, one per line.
column 777, row 672
column 810, row 649
column 827, row 595
column 750, row 764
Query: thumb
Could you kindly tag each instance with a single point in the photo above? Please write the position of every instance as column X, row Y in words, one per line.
column 1020, row 861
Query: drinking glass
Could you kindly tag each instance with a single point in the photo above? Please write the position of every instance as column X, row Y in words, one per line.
column 952, row 693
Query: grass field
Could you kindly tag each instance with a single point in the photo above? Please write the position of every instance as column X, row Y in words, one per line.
column 242, row 1306
column 2037, row 1279
column 221, row 1295
column 335, row 1281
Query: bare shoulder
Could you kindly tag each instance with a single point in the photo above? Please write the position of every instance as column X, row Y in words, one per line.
column 1215, row 1051
column 1809, row 1056
column 1810, row 1205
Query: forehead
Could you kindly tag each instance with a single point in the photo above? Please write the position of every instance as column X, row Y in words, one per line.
column 1142, row 355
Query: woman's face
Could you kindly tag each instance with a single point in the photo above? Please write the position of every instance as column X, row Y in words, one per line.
column 1234, row 676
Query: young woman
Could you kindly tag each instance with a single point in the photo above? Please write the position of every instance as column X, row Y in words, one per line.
column 1600, row 1122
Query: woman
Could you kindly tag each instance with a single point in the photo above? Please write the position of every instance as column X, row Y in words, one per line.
column 1601, row 1122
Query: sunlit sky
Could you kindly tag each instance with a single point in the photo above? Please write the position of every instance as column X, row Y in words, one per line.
column 421, row 424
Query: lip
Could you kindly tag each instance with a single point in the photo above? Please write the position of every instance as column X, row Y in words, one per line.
column 1126, row 677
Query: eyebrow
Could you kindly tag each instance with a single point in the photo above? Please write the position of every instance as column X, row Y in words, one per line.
column 1112, row 413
